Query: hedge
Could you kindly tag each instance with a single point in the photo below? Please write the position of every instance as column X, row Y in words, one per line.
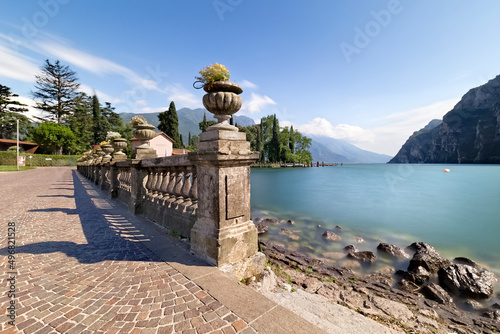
column 39, row 160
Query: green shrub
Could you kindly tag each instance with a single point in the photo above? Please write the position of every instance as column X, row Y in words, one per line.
column 38, row 160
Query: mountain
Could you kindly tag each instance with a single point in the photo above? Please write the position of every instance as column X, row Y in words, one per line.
column 189, row 120
column 469, row 133
column 335, row 150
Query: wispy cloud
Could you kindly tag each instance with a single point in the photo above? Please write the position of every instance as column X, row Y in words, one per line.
column 322, row 127
column 256, row 103
column 247, row 84
column 103, row 97
column 182, row 97
column 385, row 135
column 17, row 66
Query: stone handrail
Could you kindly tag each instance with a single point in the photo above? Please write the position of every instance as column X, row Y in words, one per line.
column 204, row 195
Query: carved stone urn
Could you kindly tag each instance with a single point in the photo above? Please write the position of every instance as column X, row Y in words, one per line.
column 119, row 144
column 144, row 132
column 222, row 100
column 107, row 149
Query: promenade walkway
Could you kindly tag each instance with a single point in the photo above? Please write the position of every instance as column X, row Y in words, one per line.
column 85, row 265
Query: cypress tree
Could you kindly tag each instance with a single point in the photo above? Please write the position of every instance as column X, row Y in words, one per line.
column 182, row 141
column 275, row 142
column 231, row 120
column 291, row 142
column 169, row 124
column 204, row 124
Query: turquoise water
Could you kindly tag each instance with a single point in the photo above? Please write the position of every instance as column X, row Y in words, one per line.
column 456, row 212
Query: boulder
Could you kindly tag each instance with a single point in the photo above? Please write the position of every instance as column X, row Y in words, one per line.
column 427, row 257
column 261, row 228
column 291, row 222
column 350, row 249
column 463, row 279
column 272, row 221
column 363, row 256
column 418, row 276
column 392, row 250
column 359, row 240
column 285, row 231
column 435, row 292
column 329, row 235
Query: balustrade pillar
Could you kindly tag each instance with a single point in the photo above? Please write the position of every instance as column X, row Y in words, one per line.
column 223, row 233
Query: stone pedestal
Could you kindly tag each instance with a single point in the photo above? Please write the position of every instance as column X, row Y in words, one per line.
column 145, row 152
column 224, row 235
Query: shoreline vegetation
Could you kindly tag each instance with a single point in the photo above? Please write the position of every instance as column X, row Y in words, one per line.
column 433, row 295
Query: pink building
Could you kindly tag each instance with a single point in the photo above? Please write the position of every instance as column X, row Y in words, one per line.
column 162, row 143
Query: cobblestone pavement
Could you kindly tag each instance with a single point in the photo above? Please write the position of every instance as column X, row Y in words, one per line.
column 81, row 267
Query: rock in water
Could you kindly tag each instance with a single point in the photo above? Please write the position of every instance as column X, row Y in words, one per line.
column 329, row 235
column 365, row 256
column 466, row 280
column 261, row 228
column 395, row 251
column 427, row 257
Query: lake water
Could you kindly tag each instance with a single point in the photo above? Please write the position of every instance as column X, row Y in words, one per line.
column 456, row 212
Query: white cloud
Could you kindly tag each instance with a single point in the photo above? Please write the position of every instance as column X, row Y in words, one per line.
column 141, row 103
column 322, row 127
column 103, row 97
column 17, row 66
column 153, row 110
column 182, row 97
column 256, row 103
column 247, row 84
column 385, row 135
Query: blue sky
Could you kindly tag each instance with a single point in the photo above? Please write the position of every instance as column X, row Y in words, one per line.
column 369, row 72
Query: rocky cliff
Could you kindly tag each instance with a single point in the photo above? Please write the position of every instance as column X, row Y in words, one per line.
column 469, row 133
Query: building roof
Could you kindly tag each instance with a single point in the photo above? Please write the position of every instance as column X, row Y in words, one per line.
column 27, row 146
column 180, row 151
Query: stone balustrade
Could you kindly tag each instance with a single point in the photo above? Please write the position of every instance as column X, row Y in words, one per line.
column 203, row 196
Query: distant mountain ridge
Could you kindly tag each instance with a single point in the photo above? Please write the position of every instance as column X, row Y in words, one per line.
column 189, row 120
column 336, row 150
column 469, row 133
column 322, row 148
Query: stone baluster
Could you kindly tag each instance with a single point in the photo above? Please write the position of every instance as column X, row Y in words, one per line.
column 149, row 183
column 171, row 185
column 157, row 186
column 178, row 188
column 193, row 192
column 164, row 186
column 186, row 188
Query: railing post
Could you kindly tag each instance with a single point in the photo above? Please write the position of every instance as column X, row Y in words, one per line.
column 223, row 233
column 138, row 190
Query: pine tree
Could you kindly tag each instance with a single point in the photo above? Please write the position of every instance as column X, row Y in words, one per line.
column 56, row 89
column 182, row 141
column 10, row 112
column 169, row 124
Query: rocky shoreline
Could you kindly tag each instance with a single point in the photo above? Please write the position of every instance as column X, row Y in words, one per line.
column 434, row 295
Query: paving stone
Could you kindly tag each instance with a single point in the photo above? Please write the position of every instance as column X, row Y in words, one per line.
column 80, row 259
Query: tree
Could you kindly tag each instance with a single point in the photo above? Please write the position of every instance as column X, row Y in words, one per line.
column 53, row 138
column 205, row 124
column 169, row 124
column 275, row 148
column 10, row 112
column 81, row 123
column 182, row 141
column 56, row 89
column 291, row 143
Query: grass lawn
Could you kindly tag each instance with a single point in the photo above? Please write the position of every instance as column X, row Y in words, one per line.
column 13, row 168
